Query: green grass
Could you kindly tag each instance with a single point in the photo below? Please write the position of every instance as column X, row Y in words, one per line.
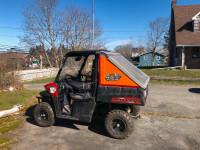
column 24, row 97
column 173, row 73
column 172, row 82
column 6, row 142
column 8, row 100
column 9, row 123
column 46, row 80
column 5, row 139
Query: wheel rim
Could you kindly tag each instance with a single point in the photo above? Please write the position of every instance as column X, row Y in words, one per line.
column 43, row 116
column 118, row 125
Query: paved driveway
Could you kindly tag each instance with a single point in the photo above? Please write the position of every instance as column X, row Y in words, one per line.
column 160, row 127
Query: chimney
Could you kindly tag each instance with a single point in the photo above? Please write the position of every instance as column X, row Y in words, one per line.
column 140, row 50
column 174, row 3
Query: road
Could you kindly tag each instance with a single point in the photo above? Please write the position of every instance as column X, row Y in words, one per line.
column 170, row 120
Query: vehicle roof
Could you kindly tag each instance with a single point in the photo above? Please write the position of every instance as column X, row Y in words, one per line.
column 85, row 52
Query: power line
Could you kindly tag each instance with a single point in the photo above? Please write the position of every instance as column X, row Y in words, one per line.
column 123, row 31
column 105, row 37
column 8, row 36
column 126, row 31
column 122, row 37
column 11, row 28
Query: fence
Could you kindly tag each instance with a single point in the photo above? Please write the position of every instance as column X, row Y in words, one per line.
column 28, row 75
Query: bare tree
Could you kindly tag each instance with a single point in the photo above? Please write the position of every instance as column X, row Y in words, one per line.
column 155, row 34
column 77, row 29
column 126, row 50
column 42, row 26
column 52, row 28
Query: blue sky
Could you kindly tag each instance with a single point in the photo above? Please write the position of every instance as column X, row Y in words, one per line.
column 129, row 16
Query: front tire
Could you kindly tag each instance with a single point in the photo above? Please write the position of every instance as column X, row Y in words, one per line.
column 44, row 115
column 119, row 124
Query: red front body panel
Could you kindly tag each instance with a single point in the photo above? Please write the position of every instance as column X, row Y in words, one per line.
column 52, row 88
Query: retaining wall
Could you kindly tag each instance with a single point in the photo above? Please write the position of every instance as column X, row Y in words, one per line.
column 28, row 75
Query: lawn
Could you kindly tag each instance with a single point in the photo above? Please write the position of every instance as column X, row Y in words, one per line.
column 177, row 82
column 46, row 80
column 173, row 73
column 7, row 142
column 9, row 99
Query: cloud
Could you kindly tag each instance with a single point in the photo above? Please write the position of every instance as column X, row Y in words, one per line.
column 113, row 44
column 118, row 42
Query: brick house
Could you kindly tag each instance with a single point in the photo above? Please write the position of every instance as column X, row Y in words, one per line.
column 31, row 61
column 184, row 41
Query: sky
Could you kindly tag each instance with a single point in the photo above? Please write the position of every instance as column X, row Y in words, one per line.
column 122, row 20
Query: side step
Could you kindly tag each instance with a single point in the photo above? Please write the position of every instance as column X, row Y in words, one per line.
column 67, row 117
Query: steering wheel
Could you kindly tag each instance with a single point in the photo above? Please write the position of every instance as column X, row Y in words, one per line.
column 87, row 76
column 68, row 76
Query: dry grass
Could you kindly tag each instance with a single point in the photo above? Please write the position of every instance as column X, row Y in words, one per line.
column 8, row 79
column 169, row 115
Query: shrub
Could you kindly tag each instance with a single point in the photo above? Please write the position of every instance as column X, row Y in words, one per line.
column 8, row 79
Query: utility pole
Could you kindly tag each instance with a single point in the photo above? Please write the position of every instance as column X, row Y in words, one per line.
column 93, row 23
column 41, row 62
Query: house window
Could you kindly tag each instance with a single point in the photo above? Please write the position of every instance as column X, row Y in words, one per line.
column 145, row 57
column 195, row 53
column 158, row 57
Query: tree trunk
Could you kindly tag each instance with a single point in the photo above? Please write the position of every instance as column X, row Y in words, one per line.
column 153, row 57
column 47, row 55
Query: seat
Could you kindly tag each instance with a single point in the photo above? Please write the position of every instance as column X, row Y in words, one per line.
column 80, row 86
column 80, row 97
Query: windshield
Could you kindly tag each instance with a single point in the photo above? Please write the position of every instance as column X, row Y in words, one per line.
column 71, row 67
column 77, row 68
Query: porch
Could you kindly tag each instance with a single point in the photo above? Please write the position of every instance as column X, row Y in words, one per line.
column 188, row 56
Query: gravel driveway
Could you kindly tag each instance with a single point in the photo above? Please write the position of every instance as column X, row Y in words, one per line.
column 170, row 120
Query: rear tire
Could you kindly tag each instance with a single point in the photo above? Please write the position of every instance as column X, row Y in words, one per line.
column 119, row 124
column 44, row 115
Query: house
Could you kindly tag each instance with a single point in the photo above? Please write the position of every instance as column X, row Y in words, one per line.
column 31, row 61
column 184, row 41
column 16, row 60
column 133, row 60
column 145, row 59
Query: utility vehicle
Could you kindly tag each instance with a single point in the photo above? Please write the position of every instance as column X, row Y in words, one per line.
column 102, row 83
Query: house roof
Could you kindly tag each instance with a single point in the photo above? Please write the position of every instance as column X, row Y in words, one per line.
column 12, row 55
column 184, row 26
column 151, row 52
